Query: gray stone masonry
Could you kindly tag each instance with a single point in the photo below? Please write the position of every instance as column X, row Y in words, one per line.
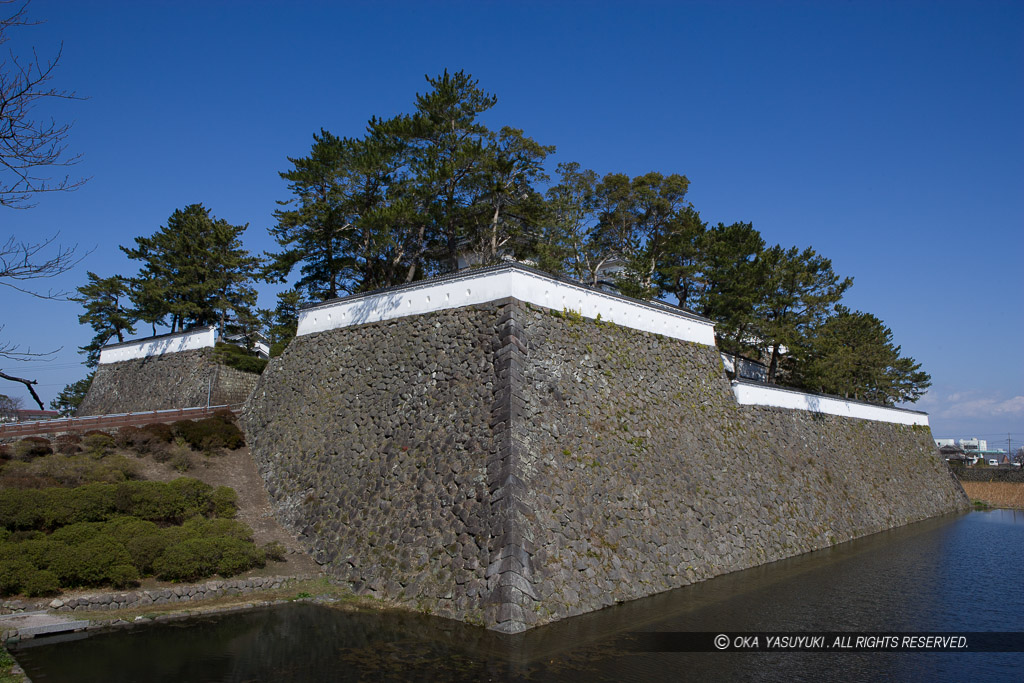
column 511, row 466
column 173, row 380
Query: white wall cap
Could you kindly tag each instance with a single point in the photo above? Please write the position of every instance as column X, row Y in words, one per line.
column 750, row 394
column 495, row 283
column 158, row 346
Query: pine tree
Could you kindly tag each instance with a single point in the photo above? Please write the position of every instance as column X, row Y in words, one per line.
column 195, row 271
column 71, row 396
column 103, row 299
column 445, row 150
column 282, row 323
column 851, row 354
column 731, row 283
column 566, row 243
column 799, row 290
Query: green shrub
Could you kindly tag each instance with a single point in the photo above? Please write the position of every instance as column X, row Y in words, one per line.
column 98, row 444
column 39, row 583
column 238, row 556
column 95, row 540
column 201, row 527
column 21, row 508
column 181, row 461
column 225, row 502
column 158, row 432
column 197, row 558
column 143, row 540
column 210, row 434
column 89, row 563
column 74, row 534
column 151, row 500
column 274, row 550
column 239, row 358
column 195, row 495
column 123, row 576
column 75, row 470
column 144, row 550
column 127, row 437
column 31, row 447
column 68, row 444
column 51, row 508
column 13, row 574
column 189, row 560
column 88, row 503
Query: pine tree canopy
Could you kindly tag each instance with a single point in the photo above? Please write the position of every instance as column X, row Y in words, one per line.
column 422, row 192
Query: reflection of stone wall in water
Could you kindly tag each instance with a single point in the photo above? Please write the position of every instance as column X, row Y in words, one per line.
column 504, row 465
column 174, row 380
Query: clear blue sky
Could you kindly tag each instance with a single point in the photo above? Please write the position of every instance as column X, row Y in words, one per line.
column 887, row 135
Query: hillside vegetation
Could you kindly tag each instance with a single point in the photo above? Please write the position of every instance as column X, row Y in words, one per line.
column 75, row 512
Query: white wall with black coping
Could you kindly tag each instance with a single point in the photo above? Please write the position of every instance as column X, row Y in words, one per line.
column 183, row 379
column 509, row 465
column 175, row 342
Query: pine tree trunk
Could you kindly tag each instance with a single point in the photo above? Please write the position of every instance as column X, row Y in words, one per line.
column 774, row 364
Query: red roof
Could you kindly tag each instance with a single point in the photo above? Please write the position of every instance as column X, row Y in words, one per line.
column 22, row 415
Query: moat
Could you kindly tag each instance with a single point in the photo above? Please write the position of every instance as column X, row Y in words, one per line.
column 955, row 573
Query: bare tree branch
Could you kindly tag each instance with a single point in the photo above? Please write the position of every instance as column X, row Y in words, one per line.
column 28, row 385
column 28, row 145
column 25, row 261
column 11, row 352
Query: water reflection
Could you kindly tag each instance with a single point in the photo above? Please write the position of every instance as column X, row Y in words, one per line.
column 948, row 574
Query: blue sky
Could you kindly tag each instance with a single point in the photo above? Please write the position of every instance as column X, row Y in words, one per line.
column 886, row 135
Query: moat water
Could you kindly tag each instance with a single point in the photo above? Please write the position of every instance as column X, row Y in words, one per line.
column 953, row 574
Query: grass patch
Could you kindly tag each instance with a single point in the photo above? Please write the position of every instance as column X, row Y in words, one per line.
column 995, row 494
column 6, row 664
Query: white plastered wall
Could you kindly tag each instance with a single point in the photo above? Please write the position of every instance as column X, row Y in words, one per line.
column 494, row 285
column 147, row 348
column 763, row 395
column 541, row 290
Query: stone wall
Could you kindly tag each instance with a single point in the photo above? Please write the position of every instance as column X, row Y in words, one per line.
column 508, row 465
column 1000, row 474
column 373, row 442
column 173, row 380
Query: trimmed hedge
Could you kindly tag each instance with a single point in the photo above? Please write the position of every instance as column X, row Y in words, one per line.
column 168, row 503
column 121, row 551
column 115, row 534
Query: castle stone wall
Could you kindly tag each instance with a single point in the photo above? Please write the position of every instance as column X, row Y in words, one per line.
column 172, row 380
column 373, row 442
column 508, row 465
column 645, row 474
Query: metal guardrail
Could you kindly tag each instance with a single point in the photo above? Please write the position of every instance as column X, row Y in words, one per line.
column 81, row 424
